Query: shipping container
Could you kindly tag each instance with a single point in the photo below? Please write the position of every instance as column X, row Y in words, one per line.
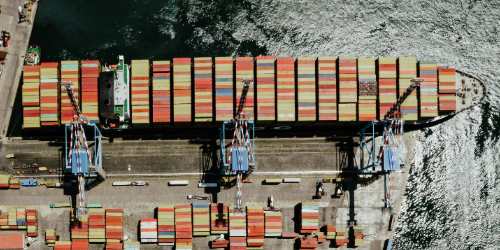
column 182, row 90
column 347, row 112
column 367, row 89
column 266, row 89
column 49, row 94
column 447, row 102
column 114, row 224
column 285, row 70
column 70, row 72
column 309, row 217
column 183, row 222
column 428, row 90
column 219, row 218
column 203, row 89
column 148, row 230
column 244, row 69
column 348, row 90
column 306, row 89
column 273, row 224
column 97, row 224
column 161, row 93
column 327, row 88
column 31, row 86
column 237, row 223
column 140, row 92
column 255, row 226
column 407, row 70
column 166, row 224
column 447, row 80
column 31, row 117
column 89, row 89
column 201, row 218
column 387, row 84
column 224, row 96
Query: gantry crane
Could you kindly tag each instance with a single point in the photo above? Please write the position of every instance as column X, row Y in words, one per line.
column 241, row 155
column 79, row 160
column 390, row 152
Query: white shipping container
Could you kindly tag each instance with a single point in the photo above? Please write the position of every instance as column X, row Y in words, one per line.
column 177, row 183
column 149, row 240
column 122, row 183
column 166, row 244
column 238, row 232
column 291, row 180
column 305, row 210
column 272, row 235
column 204, row 185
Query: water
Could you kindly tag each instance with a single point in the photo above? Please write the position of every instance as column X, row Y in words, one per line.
column 453, row 193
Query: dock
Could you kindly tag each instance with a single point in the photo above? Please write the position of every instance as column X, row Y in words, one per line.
column 20, row 34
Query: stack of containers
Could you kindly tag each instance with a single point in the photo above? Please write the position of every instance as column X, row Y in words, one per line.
column 140, row 92
column 186, row 244
column 368, row 90
column 237, row 243
column 306, row 86
column 357, row 232
column 309, row 216
column 69, row 72
column 348, row 94
column 244, row 69
column 273, row 226
column 330, row 232
column 90, row 100
column 219, row 218
column 183, row 223
column 49, row 94
column 182, row 90
column 32, row 222
column 447, row 89
column 161, row 92
column 201, row 219
column 407, row 71
column 97, row 225
column 4, row 180
column 237, row 229
column 12, row 218
column 340, row 239
column 166, row 225
column 308, row 243
column 255, row 222
column 387, row 84
column 80, row 244
column 224, row 110
column 148, row 230
column 265, row 89
column 4, row 221
column 114, row 246
column 62, row 245
column 31, row 97
column 131, row 245
column 21, row 218
column 428, row 89
column 14, row 183
column 285, row 71
column 80, row 228
column 50, row 237
column 203, row 89
column 327, row 88
column 114, row 224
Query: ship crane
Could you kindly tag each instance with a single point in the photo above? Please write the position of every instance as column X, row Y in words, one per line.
column 390, row 153
column 79, row 160
column 241, row 154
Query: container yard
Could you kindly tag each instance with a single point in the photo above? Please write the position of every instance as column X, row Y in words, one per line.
column 294, row 172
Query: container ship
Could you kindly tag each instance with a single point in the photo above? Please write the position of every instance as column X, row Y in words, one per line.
column 204, row 92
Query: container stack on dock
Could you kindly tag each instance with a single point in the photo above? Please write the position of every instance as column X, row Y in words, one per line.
column 219, row 218
column 161, row 92
column 166, row 225
column 114, row 246
column 114, row 225
column 140, row 92
column 266, row 88
column 224, row 110
column 447, row 89
column 255, row 224
column 12, row 219
column 80, row 228
column 310, row 222
column 203, row 89
column 244, row 69
column 340, row 238
column 306, row 88
column 62, row 245
column 348, row 89
column 90, row 100
column 31, row 97
column 148, row 231
column 182, row 90
column 4, row 181
column 330, row 232
column 285, row 70
column 357, row 236
column 70, row 71
column 237, row 229
column 131, row 245
column 21, row 218
column 32, row 222
column 14, row 183
column 327, row 88
column 49, row 94
column 308, row 243
column 183, row 227
column 368, row 90
column 201, row 219
column 428, row 89
column 408, row 71
column 4, row 221
column 387, row 84
column 273, row 224
column 81, row 244
column 50, row 237
column 97, row 225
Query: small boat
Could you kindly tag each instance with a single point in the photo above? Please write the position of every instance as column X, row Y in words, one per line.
column 33, row 56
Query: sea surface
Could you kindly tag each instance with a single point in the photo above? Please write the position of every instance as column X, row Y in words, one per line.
column 452, row 197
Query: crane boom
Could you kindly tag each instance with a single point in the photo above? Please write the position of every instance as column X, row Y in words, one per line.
column 415, row 82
